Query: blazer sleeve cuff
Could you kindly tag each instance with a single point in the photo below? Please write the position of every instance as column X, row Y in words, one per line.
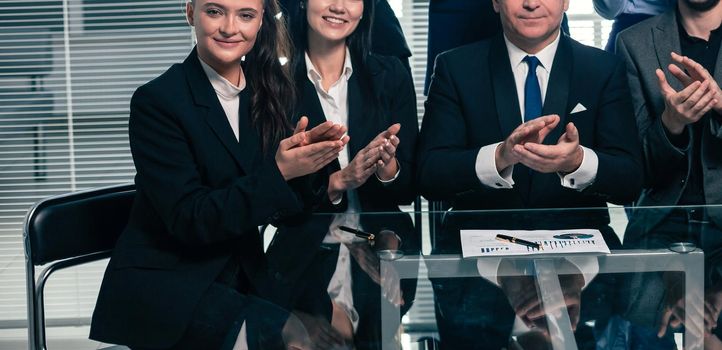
column 280, row 199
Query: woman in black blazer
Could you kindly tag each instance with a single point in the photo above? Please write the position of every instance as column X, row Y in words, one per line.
column 339, row 80
column 214, row 160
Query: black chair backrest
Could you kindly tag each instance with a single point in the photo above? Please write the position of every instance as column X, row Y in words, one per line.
column 78, row 223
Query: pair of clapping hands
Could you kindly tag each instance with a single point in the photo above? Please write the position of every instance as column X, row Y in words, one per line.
column 306, row 152
column 524, row 296
column 700, row 94
column 525, row 146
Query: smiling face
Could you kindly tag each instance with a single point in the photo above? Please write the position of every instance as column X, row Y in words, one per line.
column 225, row 30
column 333, row 20
column 531, row 24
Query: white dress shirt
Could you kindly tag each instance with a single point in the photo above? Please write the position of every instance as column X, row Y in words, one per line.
column 486, row 158
column 334, row 103
column 227, row 94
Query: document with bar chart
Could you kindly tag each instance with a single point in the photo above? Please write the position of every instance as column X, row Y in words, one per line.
column 478, row 243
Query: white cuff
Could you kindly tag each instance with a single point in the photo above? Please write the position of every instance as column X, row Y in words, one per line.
column 585, row 175
column 338, row 200
column 488, row 268
column 589, row 266
column 389, row 181
column 486, row 169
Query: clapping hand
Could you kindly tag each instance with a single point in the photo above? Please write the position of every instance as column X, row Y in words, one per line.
column 378, row 155
column 700, row 94
column 525, row 145
column 307, row 152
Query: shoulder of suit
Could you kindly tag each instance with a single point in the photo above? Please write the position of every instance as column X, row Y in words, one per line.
column 166, row 83
column 593, row 57
column 465, row 52
column 642, row 29
column 377, row 63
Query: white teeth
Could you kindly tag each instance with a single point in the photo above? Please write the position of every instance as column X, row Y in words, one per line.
column 334, row 20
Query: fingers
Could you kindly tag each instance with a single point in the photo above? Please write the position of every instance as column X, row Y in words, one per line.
column 388, row 149
column 703, row 105
column 292, row 141
column 710, row 317
column 391, row 286
column 574, row 311
column 686, row 93
column 334, row 133
column 547, row 129
column 393, row 129
column 680, row 75
column 328, row 158
column 664, row 322
column 664, row 87
column 316, row 134
column 571, row 134
column 390, row 131
column 319, row 148
column 531, row 130
column 696, row 70
column 301, row 125
column 696, row 96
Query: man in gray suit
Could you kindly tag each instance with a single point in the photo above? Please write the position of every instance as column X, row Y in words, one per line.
column 678, row 107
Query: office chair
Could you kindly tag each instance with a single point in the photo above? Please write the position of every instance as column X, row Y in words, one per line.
column 69, row 230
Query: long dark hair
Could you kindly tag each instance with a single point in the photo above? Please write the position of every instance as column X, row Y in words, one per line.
column 274, row 94
column 359, row 44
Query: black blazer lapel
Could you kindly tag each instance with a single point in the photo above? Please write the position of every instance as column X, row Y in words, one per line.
column 557, row 94
column 666, row 40
column 204, row 95
column 504, row 89
column 507, row 105
column 310, row 106
column 359, row 120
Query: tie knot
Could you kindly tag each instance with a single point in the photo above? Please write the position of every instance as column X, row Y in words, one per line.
column 532, row 61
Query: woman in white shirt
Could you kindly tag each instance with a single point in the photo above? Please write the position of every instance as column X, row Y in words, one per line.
column 340, row 80
column 211, row 143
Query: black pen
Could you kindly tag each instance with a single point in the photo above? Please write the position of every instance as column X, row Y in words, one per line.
column 510, row 239
column 358, row 233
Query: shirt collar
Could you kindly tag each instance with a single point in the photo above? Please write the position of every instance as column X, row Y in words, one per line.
column 315, row 77
column 220, row 84
column 545, row 56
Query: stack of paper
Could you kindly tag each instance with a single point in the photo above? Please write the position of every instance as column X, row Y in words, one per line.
column 476, row 243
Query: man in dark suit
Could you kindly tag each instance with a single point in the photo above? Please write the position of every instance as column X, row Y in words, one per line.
column 527, row 119
column 453, row 23
column 678, row 105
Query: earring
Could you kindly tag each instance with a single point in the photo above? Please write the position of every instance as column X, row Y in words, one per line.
column 302, row 5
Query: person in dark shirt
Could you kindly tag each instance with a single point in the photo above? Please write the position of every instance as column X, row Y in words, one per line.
column 674, row 74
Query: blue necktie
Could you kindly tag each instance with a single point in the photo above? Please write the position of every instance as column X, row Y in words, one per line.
column 532, row 91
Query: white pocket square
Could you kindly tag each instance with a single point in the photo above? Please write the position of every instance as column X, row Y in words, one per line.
column 578, row 108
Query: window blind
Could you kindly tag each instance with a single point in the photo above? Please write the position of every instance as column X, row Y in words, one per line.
column 67, row 71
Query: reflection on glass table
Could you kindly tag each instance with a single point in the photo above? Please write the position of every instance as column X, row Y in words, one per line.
column 573, row 302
